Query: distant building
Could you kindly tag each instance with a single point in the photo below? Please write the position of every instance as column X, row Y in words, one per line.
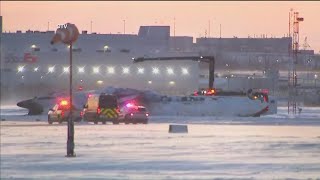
column 262, row 45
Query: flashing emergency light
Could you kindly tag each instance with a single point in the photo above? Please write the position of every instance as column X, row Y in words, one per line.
column 266, row 91
column 211, row 92
column 195, row 93
column 64, row 103
column 129, row 105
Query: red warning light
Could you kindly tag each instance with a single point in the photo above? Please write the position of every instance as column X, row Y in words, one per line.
column 266, row 91
column 195, row 93
column 211, row 92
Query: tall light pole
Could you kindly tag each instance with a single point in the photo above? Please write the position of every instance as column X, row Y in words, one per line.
column 124, row 26
column 68, row 34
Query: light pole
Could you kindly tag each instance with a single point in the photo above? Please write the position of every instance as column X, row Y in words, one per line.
column 68, row 34
column 70, row 141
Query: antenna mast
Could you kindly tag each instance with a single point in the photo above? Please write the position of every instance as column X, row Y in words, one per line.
column 294, row 20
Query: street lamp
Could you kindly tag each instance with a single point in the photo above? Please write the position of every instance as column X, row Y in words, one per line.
column 65, row 69
column 96, row 70
column 68, row 34
column 111, row 70
column 155, row 70
column 125, row 70
column 81, row 69
column 184, row 71
column 51, row 69
column 140, row 70
column 170, row 71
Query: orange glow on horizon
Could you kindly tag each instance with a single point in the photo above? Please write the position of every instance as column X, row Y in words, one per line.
column 241, row 19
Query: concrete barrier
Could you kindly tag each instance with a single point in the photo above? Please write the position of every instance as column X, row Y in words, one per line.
column 178, row 128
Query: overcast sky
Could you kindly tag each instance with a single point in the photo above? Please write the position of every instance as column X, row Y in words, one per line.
column 192, row 18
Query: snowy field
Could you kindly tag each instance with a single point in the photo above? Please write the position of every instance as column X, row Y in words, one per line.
column 270, row 147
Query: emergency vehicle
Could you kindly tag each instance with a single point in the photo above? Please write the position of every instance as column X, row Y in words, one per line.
column 101, row 108
column 61, row 112
column 131, row 113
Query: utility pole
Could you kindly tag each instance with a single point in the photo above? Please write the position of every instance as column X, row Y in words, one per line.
column 68, row 36
column 70, row 141
column 209, row 30
column 91, row 26
column 220, row 31
column 174, row 33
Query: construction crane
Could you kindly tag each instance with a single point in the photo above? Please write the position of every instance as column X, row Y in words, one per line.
column 207, row 59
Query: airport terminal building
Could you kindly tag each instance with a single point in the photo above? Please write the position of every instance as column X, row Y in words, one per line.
column 32, row 66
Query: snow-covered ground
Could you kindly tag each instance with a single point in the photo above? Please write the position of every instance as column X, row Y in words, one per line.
column 270, row 147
